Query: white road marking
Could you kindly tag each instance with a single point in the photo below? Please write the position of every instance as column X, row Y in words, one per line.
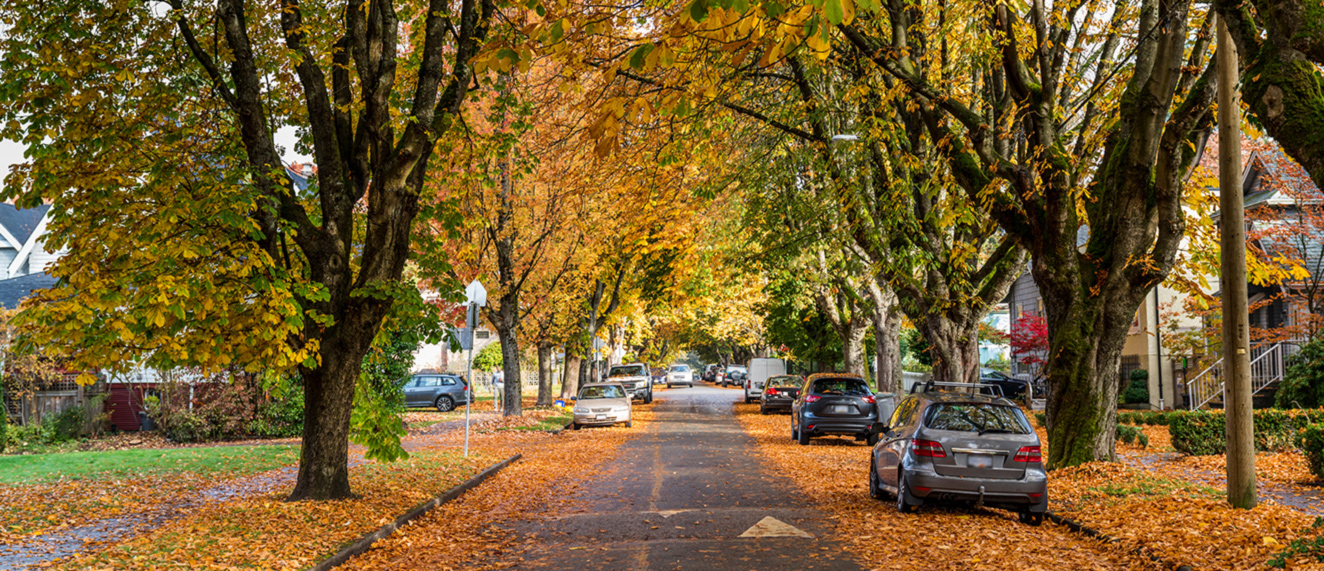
column 773, row 527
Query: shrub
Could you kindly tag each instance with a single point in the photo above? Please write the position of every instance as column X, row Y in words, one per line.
column 1202, row 433
column 1042, row 419
column 1137, row 391
column 226, row 410
column 1132, row 435
column 1303, row 382
column 1198, row 433
column 1312, row 444
column 4, row 431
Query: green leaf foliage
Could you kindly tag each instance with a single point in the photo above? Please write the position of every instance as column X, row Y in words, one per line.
column 1303, row 383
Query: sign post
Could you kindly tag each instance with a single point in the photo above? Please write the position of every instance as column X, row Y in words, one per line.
column 477, row 297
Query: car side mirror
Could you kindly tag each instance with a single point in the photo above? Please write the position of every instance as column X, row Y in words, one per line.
column 574, row 398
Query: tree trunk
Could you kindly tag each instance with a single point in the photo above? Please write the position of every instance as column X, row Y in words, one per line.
column 570, row 378
column 887, row 319
column 512, row 397
column 329, row 390
column 954, row 344
column 544, row 373
column 1082, row 392
column 852, row 347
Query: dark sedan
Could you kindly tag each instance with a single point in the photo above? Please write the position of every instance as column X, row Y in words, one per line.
column 1011, row 388
column 834, row 403
column 779, row 393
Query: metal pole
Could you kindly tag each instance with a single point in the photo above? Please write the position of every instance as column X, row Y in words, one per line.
column 1158, row 347
column 1236, row 335
column 469, row 386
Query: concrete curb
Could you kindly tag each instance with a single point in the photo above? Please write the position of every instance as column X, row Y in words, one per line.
column 1080, row 528
column 366, row 541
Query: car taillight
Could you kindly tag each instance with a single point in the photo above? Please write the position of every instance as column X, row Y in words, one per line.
column 869, row 399
column 927, row 448
column 772, row 391
column 1028, row 454
column 812, row 398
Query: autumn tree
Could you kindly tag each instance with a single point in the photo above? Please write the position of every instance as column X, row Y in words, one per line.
column 189, row 242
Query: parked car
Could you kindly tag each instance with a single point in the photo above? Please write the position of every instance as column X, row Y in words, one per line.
column 735, row 376
column 680, row 374
column 710, row 373
column 441, row 390
column 834, row 403
column 635, row 378
column 760, row 370
column 955, row 445
column 779, row 393
column 601, row 404
column 1012, row 388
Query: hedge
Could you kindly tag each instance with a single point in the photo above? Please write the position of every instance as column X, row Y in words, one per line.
column 1203, row 433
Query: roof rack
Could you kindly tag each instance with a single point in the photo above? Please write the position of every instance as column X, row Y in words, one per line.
column 935, row 386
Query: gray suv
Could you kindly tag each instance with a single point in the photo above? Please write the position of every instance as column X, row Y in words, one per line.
column 635, row 378
column 441, row 390
column 960, row 446
column 834, row 403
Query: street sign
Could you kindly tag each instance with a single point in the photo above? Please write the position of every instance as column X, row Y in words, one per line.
column 466, row 337
column 598, row 343
column 475, row 293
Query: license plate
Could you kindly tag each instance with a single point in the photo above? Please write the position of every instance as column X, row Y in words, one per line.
column 602, row 417
column 979, row 461
column 841, row 409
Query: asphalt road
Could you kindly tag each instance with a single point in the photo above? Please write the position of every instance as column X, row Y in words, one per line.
column 680, row 496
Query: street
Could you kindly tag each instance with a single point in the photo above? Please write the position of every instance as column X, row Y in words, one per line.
column 681, row 496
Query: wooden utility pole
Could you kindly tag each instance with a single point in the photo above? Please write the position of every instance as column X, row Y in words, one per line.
column 1236, row 335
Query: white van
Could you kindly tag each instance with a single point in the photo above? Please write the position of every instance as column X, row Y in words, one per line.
column 760, row 370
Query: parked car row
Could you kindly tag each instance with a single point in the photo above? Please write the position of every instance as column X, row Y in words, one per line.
column 944, row 442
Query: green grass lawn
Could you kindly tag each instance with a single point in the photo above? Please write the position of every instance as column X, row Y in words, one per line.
column 32, row 468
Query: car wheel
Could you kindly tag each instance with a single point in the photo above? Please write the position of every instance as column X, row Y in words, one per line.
column 904, row 502
column 763, row 409
column 629, row 424
column 802, row 437
column 871, row 439
column 575, row 426
column 444, row 403
column 1031, row 518
column 795, row 434
column 649, row 399
column 875, row 487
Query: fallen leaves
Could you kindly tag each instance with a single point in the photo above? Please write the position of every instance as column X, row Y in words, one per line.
column 833, row 472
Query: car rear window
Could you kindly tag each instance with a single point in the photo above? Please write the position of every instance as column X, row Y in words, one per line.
column 841, row 387
column 628, row 371
column 679, row 369
column 784, row 382
column 977, row 417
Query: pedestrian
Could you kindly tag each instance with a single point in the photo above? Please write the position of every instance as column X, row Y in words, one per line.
column 499, row 386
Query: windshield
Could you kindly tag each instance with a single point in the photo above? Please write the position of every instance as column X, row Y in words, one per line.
column 977, row 417
column 841, row 387
column 679, row 369
column 627, row 371
column 784, row 382
column 602, row 392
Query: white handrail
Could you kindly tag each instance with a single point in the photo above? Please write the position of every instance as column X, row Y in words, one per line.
column 1266, row 367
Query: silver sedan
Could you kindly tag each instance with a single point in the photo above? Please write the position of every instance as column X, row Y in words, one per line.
column 958, row 446
column 601, row 404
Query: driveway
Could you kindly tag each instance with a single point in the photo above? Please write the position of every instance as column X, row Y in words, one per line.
column 688, row 493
